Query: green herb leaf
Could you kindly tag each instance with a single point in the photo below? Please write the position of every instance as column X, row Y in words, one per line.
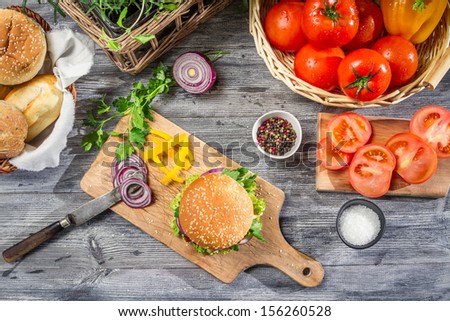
column 90, row 120
column 255, row 229
column 419, row 5
column 137, row 136
column 137, row 105
column 122, row 16
column 124, row 150
column 113, row 45
column 143, row 38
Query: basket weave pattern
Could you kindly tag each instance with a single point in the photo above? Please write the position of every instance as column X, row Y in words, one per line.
column 281, row 65
column 5, row 166
column 168, row 28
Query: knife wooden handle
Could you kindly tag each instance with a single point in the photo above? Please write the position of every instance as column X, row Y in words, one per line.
column 33, row 241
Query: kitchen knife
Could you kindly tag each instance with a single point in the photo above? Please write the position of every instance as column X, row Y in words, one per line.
column 81, row 215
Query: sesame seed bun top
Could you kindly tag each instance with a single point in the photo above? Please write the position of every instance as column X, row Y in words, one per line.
column 216, row 212
column 22, row 47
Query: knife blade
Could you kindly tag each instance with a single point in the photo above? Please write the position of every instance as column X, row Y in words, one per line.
column 81, row 215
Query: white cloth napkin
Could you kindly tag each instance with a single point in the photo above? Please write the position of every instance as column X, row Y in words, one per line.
column 71, row 55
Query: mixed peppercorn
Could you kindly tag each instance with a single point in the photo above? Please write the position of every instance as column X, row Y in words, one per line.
column 276, row 136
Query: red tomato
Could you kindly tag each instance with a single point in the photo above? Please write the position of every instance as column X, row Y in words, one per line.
column 370, row 25
column 416, row 159
column 283, row 26
column 349, row 131
column 370, row 172
column 432, row 123
column 318, row 66
column 364, row 74
column 331, row 158
column 330, row 23
column 402, row 57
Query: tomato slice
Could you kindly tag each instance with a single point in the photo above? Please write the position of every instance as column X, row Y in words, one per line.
column 432, row 123
column 370, row 171
column 330, row 158
column 349, row 131
column 416, row 159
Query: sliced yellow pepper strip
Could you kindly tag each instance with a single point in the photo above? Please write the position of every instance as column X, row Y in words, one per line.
column 161, row 134
column 165, row 143
column 172, row 175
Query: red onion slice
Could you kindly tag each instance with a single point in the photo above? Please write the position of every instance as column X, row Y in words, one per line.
column 127, row 172
column 132, row 160
column 194, row 72
column 213, row 171
column 132, row 197
column 245, row 240
column 131, row 177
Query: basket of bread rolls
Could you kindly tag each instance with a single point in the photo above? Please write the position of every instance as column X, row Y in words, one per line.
column 30, row 101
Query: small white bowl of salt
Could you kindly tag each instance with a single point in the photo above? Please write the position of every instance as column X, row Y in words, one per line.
column 360, row 223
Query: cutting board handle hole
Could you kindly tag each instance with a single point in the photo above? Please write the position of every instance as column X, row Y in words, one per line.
column 307, row 271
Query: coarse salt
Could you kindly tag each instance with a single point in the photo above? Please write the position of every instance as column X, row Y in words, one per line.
column 359, row 225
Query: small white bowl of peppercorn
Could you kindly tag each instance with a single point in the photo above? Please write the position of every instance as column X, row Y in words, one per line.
column 277, row 134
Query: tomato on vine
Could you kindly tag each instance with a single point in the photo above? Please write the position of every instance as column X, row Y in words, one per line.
column 364, row 74
column 330, row 23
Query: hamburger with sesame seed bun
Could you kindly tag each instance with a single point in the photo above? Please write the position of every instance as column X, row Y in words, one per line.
column 218, row 211
column 23, row 47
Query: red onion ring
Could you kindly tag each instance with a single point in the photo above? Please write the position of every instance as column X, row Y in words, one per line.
column 194, row 72
column 179, row 226
column 213, row 171
column 133, row 199
column 132, row 160
column 245, row 240
column 126, row 172
column 131, row 177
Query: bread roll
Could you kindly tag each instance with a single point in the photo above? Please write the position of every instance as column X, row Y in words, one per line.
column 4, row 90
column 22, row 47
column 13, row 130
column 39, row 100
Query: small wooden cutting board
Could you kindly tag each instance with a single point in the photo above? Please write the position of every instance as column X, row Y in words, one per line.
column 383, row 129
column 156, row 218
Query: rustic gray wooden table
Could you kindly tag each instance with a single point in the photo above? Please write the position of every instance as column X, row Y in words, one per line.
column 110, row 259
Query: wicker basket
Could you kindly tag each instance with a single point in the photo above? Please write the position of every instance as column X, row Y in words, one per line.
column 5, row 166
column 434, row 62
column 168, row 28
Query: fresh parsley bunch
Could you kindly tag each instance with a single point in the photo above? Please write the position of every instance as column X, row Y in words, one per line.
column 137, row 106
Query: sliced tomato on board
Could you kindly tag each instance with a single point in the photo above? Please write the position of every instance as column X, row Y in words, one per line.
column 432, row 123
column 349, row 131
column 370, row 171
column 416, row 159
column 331, row 158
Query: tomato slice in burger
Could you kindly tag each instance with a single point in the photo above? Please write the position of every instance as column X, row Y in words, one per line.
column 370, row 172
column 349, row 131
column 432, row 123
column 416, row 159
column 331, row 158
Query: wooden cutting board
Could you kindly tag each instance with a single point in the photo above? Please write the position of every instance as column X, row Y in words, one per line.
column 156, row 218
column 383, row 129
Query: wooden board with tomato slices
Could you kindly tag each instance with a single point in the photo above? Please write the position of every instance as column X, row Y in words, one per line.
column 156, row 219
column 382, row 130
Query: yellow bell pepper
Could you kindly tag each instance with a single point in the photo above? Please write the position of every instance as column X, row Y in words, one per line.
column 165, row 143
column 414, row 20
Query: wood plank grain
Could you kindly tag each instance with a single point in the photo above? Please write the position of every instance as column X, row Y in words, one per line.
column 383, row 128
